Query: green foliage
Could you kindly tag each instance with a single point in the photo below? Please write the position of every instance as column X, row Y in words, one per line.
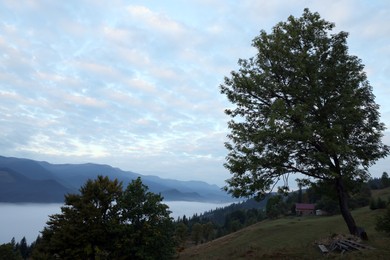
column 8, row 252
column 385, row 180
column 218, row 222
column 373, row 204
column 20, row 250
column 383, row 222
column 275, row 207
column 23, row 248
column 85, row 224
column 377, row 203
column 208, row 231
column 146, row 224
column 360, row 197
column 380, row 183
column 103, row 221
column 181, row 233
column 380, row 204
column 196, row 233
column 303, row 105
column 328, row 204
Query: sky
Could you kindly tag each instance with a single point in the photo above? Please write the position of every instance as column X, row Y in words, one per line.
column 135, row 84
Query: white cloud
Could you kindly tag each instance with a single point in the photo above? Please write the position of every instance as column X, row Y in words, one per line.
column 156, row 22
column 136, row 86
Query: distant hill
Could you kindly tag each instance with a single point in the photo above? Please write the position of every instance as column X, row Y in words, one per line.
column 14, row 187
column 25, row 180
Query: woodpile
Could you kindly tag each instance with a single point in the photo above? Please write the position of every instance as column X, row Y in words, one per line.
column 341, row 243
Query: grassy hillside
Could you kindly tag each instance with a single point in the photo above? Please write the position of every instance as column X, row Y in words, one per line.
column 383, row 193
column 293, row 238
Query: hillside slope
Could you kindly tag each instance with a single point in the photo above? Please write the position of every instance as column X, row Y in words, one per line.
column 15, row 187
column 291, row 238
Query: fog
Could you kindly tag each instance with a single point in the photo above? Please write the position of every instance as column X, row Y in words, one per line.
column 20, row 220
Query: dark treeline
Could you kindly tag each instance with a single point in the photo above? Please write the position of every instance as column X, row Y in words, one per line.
column 219, row 222
column 17, row 250
column 380, row 183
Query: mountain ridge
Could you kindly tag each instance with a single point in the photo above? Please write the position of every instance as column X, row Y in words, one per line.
column 68, row 178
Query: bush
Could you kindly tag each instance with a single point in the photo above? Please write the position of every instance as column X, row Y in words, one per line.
column 373, row 204
column 383, row 222
column 328, row 204
column 377, row 204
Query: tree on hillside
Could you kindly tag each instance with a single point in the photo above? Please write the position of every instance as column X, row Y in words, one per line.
column 385, row 180
column 105, row 222
column 23, row 248
column 302, row 105
column 196, row 233
column 10, row 251
column 275, row 206
column 181, row 233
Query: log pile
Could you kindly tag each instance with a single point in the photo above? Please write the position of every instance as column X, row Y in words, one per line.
column 341, row 243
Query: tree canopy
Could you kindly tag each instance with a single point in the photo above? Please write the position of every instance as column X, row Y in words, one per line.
column 105, row 222
column 302, row 105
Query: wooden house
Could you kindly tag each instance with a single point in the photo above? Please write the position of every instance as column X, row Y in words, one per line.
column 302, row 209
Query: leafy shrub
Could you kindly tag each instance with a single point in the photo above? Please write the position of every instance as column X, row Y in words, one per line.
column 383, row 222
column 377, row 204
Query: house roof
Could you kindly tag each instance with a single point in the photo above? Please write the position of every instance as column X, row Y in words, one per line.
column 304, row 206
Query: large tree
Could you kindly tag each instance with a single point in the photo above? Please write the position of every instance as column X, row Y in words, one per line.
column 302, row 105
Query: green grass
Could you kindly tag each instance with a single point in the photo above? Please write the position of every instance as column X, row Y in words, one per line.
column 293, row 238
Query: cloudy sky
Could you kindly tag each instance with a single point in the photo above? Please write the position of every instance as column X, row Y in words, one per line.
column 135, row 84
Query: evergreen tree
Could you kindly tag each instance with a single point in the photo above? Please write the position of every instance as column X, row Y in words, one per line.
column 23, row 248
column 196, row 233
column 208, row 231
column 181, row 233
column 385, row 180
column 8, row 252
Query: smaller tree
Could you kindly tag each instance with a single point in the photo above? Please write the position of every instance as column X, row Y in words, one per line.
column 275, row 206
column 196, row 233
column 328, row 204
column 181, row 233
column 385, row 180
column 208, row 231
column 23, row 248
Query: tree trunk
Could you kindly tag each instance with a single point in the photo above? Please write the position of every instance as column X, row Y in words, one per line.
column 343, row 203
